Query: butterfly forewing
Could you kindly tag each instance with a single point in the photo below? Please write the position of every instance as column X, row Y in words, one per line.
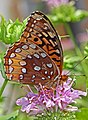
column 40, row 30
column 29, row 64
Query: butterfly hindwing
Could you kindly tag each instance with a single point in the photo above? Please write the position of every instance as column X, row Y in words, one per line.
column 29, row 64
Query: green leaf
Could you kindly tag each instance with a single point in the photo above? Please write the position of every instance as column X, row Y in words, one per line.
column 59, row 115
column 82, row 115
column 3, row 30
column 86, row 51
column 23, row 116
column 10, row 116
column 71, row 61
column 67, row 13
column 10, row 31
column 2, row 66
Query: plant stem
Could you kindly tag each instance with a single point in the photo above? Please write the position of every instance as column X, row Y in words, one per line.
column 69, row 31
column 77, row 50
column 4, row 76
column 3, row 87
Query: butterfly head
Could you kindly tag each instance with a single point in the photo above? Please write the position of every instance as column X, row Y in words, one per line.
column 63, row 78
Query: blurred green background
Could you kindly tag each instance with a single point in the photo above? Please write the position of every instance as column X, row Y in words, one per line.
column 71, row 23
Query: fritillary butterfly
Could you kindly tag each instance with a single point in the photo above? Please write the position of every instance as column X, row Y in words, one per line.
column 37, row 57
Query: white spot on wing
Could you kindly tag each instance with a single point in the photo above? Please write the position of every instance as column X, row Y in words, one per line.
column 17, row 50
column 25, row 47
column 28, row 18
column 33, row 76
column 10, row 77
column 51, row 34
column 32, row 25
column 51, row 73
column 45, row 24
column 35, row 21
column 37, row 68
column 45, row 34
column 10, row 69
column 23, row 58
column 32, row 46
column 24, row 70
column 33, row 63
column 21, row 77
column 22, row 63
column 55, row 43
column 36, row 55
column 57, row 51
column 48, row 76
column 45, row 28
column 46, row 72
column 49, row 65
column 29, row 56
column 30, row 30
column 39, row 18
column 39, row 35
column 10, row 61
column 12, row 55
column 32, row 80
column 43, row 55
column 43, row 78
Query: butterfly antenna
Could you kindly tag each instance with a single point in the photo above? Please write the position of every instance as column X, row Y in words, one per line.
column 65, row 36
column 77, row 74
column 77, row 65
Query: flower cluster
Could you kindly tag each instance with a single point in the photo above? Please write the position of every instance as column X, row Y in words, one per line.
column 49, row 99
column 55, row 3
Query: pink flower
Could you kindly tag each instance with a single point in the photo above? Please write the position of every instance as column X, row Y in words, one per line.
column 55, row 3
column 51, row 99
column 66, row 95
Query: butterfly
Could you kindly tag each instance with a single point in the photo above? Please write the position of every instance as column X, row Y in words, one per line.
column 38, row 56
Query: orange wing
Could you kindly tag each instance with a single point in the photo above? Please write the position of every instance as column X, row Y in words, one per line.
column 40, row 30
